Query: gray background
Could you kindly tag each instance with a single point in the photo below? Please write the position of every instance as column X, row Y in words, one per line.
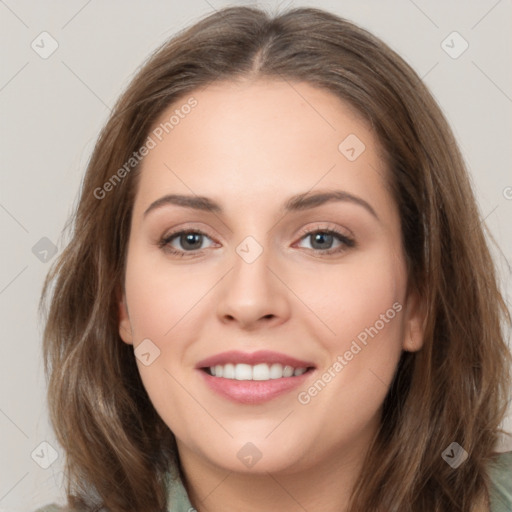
column 52, row 109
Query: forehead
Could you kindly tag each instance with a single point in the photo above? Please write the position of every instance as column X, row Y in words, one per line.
column 258, row 140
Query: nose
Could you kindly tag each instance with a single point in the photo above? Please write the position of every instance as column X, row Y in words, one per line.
column 253, row 294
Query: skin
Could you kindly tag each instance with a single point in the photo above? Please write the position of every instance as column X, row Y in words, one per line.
column 250, row 146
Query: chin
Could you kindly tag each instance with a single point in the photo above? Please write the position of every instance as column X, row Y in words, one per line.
column 259, row 457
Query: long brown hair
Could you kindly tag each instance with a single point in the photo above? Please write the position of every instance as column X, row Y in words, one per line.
column 455, row 389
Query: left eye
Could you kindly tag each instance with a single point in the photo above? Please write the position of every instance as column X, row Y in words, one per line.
column 322, row 238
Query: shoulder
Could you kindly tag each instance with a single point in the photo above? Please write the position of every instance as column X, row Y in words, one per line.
column 500, row 474
column 178, row 500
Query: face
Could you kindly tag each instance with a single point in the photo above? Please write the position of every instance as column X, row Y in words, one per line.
column 268, row 311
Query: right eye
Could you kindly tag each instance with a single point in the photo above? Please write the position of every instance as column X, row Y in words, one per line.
column 189, row 240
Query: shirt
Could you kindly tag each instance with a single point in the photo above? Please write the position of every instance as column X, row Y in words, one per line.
column 500, row 473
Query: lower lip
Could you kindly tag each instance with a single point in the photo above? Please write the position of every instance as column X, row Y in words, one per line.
column 253, row 391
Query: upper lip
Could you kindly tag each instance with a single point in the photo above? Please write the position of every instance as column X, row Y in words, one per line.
column 252, row 358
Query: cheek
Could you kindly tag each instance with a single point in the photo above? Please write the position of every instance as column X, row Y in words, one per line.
column 363, row 305
column 158, row 301
column 164, row 301
column 350, row 299
column 161, row 295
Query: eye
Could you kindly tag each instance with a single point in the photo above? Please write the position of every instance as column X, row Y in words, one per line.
column 188, row 241
column 324, row 240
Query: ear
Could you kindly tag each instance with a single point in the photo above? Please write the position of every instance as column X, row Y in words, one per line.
column 125, row 328
column 415, row 322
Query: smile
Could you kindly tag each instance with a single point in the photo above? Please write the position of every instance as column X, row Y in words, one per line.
column 253, row 378
column 260, row 372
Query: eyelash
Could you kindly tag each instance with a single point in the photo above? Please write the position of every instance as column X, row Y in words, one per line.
column 347, row 242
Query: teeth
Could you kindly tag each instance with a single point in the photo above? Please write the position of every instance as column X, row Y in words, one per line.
column 261, row 371
column 229, row 371
column 287, row 371
column 276, row 371
column 243, row 372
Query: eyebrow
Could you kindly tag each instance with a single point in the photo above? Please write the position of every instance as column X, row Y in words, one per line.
column 298, row 202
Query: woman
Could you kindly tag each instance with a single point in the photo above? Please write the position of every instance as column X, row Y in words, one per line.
column 278, row 294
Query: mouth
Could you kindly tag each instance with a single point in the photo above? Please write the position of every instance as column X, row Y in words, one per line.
column 253, row 378
column 259, row 372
